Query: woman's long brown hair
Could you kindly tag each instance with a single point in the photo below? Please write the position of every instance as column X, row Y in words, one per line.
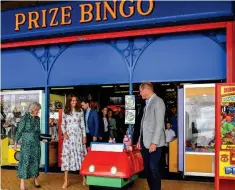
column 68, row 109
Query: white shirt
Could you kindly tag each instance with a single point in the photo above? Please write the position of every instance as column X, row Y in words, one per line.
column 105, row 124
column 170, row 134
column 147, row 101
column 86, row 118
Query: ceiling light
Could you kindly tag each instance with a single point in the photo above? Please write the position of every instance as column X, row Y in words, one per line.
column 121, row 92
column 65, row 88
column 106, row 86
column 12, row 90
column 170, row 90
column 124, row 86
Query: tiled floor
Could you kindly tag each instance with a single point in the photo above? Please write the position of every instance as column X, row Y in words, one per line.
column 54, row 181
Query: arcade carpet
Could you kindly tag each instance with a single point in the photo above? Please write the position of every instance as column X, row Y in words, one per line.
column 53, row 181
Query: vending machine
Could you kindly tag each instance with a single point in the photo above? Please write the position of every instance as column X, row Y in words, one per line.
column 225, row 137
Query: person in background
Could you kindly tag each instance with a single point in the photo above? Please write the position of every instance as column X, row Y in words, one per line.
column 112, row 125
column 91, row 122
column 104, row 126
column 30, row 150
column 94, row 105
column 152, row 134
column 13, row 121
column 73, row 128
column 173, row 120
column 121, row 126
column 116, row 112
column 3, row 120
column 170, row 135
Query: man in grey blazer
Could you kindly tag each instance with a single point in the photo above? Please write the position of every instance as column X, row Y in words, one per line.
column 152, row 134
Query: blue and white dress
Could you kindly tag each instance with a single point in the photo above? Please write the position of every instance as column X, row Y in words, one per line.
column 73, row 151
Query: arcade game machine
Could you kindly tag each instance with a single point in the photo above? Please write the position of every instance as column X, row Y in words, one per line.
column 199, row 130
column 225, row 137
column 4, row 139
column 111, row 165
column 14, row 105
column 114, row 165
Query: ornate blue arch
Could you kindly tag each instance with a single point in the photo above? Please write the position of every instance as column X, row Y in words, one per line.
column 188, row 57
column 20, row 69
column 88, row 63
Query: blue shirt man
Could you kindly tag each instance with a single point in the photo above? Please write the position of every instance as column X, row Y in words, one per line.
column 91, row 121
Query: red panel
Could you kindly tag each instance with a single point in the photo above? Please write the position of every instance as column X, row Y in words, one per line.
column 227, row 184
column 230, row 51
column 127, row 163
column 221, row 183
column 217, row 134
column 110, row 35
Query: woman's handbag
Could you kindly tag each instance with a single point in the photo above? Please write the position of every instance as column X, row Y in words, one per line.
column 45, row 137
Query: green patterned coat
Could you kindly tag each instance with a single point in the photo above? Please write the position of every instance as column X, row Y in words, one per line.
column 30, row 152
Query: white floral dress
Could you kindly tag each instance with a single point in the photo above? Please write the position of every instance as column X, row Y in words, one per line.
column 73, row 151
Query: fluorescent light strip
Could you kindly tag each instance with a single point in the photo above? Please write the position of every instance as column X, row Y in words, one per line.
column 12, row 90
column 66, row 88
column 106, row 86
column 121, row 92
column 124, row 86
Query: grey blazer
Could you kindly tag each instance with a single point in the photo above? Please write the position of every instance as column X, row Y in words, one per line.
column 152, row 123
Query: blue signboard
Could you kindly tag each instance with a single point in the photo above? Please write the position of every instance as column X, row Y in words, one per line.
column 95, row 16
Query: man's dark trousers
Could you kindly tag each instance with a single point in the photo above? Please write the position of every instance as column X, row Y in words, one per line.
column 151, row 167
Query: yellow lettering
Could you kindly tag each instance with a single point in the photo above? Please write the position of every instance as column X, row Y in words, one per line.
column 55, row 10
column 18, row 22
column 108, row 8
column 44, row 18
column 98, row 15
column 140, row 10
column 33, row 20
column 88, row 12
column 131, row 9
column 126, row 9
column 65, row 15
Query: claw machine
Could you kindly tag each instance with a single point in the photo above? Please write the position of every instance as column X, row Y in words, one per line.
column 199, row 130
column 14, row 105
column 225, row 137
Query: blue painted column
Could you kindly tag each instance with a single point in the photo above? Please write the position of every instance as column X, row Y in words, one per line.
column 47, row 100
column 42, row 54
column 136, row 47
column 131, row 44
column 130, row 92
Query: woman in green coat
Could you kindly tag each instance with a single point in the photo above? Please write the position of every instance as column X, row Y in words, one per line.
column 30, row 152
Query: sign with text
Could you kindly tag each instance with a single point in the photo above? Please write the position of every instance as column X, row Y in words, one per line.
column 227, row 126
column 80, row 16
column 227, row 167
